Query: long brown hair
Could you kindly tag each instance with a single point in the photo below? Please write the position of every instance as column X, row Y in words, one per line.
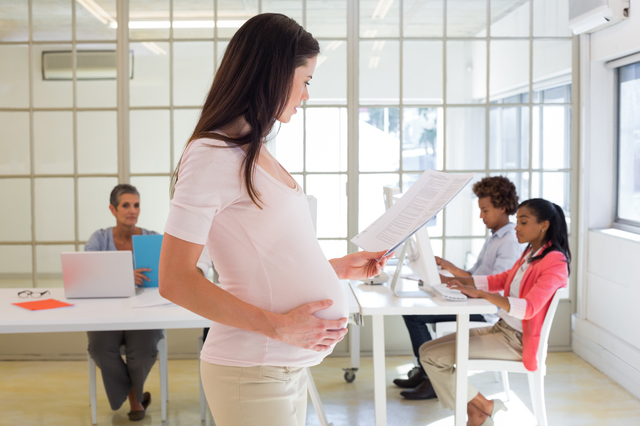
column 253, row 82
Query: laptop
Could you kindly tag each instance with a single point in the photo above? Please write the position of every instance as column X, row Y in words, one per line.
column 98, row 274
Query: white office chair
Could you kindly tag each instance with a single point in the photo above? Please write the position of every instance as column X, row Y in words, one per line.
column 164, row 380
column 536, row 378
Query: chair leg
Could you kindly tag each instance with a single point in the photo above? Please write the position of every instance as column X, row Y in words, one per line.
column 433, row 329
column 203, row 399
column 536, row 388
column 315, row 400
column 92, row 390
column 505, row 385
column 164, row 376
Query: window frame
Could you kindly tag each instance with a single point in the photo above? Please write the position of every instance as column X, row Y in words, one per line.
column 619, row 222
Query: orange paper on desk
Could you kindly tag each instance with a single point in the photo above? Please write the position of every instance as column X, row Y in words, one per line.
column 38, row 305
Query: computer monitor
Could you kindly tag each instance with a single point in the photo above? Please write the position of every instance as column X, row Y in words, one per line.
column 421, row 259
column 417, row 249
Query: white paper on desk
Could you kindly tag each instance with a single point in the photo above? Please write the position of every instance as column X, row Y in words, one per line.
column 417, row 206
column 148, row 298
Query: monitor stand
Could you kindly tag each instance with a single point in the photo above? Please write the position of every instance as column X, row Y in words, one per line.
column 423, row 264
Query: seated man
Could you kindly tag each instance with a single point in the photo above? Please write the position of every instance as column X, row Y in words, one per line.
column 497, row 200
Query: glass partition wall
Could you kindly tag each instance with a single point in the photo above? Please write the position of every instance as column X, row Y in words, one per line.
column 401, row 86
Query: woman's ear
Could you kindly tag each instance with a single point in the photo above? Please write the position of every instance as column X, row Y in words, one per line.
column 112, row 209
column 545, row 225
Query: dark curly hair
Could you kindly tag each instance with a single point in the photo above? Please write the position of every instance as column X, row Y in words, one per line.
column 501, row 191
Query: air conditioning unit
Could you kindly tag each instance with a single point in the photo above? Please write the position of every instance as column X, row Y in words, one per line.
column 588, row 16
column 90, row 65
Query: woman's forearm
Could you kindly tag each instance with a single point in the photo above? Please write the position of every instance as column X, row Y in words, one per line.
column 464, row 280
column 496, row 299
column 180, row 282
column 197, row 294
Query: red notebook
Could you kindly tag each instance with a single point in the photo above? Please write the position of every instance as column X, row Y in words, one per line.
column 38, row 305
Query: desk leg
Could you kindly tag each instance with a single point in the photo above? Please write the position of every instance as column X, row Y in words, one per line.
column 462, row 357
column 354, row 344
column 379, row 373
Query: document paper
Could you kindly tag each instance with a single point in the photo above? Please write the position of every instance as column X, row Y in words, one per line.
column 417, row 206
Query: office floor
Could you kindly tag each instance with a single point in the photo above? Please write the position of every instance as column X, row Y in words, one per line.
column 55, row 393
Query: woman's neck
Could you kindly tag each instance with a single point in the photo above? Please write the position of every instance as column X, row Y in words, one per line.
column 239, row 127
column 535, row 246
column 124, row 232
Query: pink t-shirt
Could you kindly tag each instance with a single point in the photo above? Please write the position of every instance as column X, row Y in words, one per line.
column 269, row 258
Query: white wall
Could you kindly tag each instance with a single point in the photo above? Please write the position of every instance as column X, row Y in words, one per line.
column 606, row 324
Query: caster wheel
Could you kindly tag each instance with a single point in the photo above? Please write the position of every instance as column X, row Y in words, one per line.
column 349, row 376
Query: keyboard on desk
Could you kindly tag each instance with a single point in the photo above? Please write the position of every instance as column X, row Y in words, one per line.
column 448, row 293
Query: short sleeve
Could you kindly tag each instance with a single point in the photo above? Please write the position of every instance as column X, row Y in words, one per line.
column 96, row 242
column 208, row 182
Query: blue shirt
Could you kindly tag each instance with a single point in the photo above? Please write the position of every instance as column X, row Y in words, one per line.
column 499, row 253
column 102, row 240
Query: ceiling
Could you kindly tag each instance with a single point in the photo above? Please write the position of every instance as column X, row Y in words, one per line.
column 52, row 18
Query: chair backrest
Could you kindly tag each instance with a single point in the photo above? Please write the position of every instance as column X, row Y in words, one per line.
column 546, row 330
column 388, row 192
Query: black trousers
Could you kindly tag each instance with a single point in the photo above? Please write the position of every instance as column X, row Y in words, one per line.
column 418, row 331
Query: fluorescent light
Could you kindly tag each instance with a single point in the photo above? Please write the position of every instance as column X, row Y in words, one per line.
column 181, row 24
column 378, row 45
column 321, row 59
column 99, row 13
column 381, row 9
column 153, row 47
column 334, row 45
column 374, row 61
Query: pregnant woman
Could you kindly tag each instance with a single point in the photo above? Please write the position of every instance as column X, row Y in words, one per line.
column 280, row 307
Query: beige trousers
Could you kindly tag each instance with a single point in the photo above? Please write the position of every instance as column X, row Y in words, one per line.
column 438, row 357
column 250, row 396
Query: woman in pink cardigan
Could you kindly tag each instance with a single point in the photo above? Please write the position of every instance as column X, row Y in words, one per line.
column 528, row 287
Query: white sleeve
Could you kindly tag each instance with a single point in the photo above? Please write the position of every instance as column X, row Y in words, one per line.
column 209, row 180
column 481, row 282
column 518, row 307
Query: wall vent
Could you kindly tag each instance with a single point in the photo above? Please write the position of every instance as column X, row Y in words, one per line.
column 91, row 65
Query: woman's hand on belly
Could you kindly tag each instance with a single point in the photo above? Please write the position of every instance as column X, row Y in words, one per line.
column 302, row 328
column 360, row 265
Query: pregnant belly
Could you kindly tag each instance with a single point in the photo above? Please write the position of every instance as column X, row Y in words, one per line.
column 339, row 308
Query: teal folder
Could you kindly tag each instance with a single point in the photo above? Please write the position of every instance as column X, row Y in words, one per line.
column 146, row 254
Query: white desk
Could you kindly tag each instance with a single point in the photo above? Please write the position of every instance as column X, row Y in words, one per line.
column 90, row 315
column 378, row 301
